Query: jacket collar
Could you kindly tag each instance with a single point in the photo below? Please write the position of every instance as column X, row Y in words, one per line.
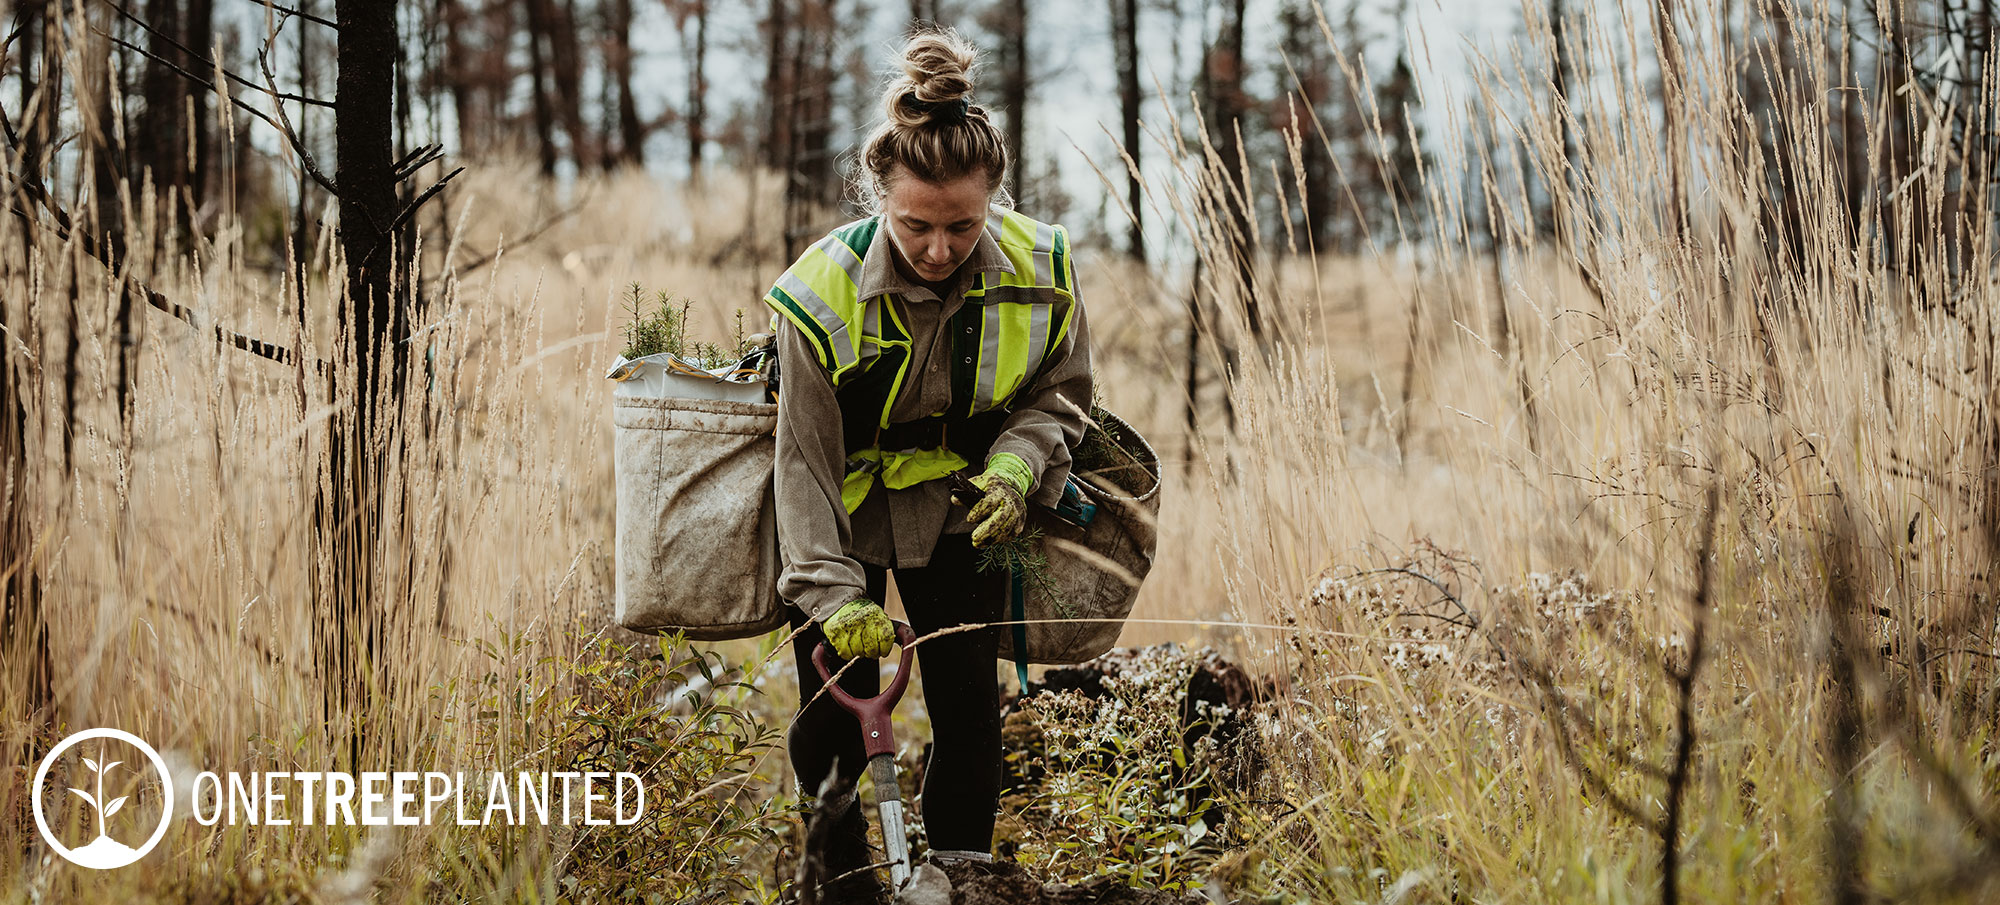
column 878, row 264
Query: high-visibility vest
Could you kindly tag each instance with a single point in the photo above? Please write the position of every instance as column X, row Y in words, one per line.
column 1000, row 337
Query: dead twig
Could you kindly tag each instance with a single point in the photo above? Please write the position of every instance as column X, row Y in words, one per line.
column 205, row 61
column 1684, row 678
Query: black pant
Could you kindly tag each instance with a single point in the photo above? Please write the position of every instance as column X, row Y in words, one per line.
column 961, row 693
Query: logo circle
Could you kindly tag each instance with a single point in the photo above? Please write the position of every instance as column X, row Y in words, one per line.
column 101, row 860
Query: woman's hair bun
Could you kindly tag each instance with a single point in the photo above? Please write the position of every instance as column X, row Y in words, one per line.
column 937, row 69
column 932, row 131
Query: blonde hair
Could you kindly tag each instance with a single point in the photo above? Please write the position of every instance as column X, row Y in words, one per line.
column 924, row 129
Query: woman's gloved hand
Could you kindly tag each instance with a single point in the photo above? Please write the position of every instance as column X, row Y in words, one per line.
column 1004, row 508
column 860, row 629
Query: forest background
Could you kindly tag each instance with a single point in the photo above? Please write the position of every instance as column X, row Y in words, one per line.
column 1578, row 416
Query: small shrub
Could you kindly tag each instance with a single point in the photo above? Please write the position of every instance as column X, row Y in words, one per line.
column 1123, row 792
column 663, row 710
column 662, row 714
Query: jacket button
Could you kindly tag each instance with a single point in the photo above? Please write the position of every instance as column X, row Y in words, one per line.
column 968, row 360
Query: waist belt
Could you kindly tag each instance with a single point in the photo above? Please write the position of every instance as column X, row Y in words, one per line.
column 969, row 437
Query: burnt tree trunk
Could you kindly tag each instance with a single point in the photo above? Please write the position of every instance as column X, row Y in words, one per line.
column 26, row 632
column 777, row 88
column 538, row 90
column 41, row 85
column 1230, row 191
column 176, row 111
column 372, row 319
column 199, row 28
column 631, row 131
column 565, row 62
column 697, row 111
column 163, row 156
column 1014, row 96
column 108, row 167
column 1125, row 39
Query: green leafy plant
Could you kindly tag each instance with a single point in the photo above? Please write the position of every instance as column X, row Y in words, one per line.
column 668, row 715
column 676, row 716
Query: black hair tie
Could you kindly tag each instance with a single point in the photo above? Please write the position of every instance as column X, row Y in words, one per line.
column 949, row 113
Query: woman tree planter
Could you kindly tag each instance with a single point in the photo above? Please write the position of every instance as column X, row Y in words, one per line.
column 943, row 331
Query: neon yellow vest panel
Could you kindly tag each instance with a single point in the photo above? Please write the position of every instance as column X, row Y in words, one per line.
column 1017, row 321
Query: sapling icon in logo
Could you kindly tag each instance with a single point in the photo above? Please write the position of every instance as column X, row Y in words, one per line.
column 112, row 769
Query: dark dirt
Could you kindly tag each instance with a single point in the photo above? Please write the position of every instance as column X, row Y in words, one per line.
column 1006, row 883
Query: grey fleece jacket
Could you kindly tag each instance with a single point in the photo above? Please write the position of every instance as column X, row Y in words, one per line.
column 821, row 546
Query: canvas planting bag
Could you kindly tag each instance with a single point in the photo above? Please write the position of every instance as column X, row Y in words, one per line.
column 1078, row 605
column 697, row 547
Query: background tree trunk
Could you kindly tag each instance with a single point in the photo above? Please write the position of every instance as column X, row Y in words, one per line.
column 1125, row 41
column 372, row 319
column 1227, row 105
column 1014, row 94
column 545, row 115
column 631, row 132
column 697, row 112
column 777, row 89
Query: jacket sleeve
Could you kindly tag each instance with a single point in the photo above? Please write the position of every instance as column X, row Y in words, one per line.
column 818, row 576
column 1048, row 421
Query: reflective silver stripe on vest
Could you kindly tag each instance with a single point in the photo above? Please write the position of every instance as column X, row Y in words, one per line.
column 1044, row 254
column 995, row 223
column 989, row 358
column 1038, row 336
column 836, row 329
column 842, row 255
column 871, row 327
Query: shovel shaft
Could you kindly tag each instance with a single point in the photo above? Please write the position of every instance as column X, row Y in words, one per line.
column 873, row 713
column 889, row 803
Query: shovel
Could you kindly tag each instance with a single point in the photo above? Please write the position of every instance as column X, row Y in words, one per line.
column 873, row 713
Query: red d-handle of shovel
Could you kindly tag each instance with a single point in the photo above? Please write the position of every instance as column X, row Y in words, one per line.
column 872, row 712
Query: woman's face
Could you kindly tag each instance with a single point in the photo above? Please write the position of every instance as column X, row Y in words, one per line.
column 933, row 225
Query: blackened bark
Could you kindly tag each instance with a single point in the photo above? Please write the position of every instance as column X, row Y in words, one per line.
column 108, row 177
column 1228, row 105
column 372, row 319
column 1125, row 38
column 457, row 73
column 697, row 112
column 23, row 630
column 164, row 120
column 1310, row 75
column 200, row 37
column 777, row 88
column 813, row 77
column 31, row 20
column 631, row 131
column 538, row 35
column 566, row 71
column 1014, row 96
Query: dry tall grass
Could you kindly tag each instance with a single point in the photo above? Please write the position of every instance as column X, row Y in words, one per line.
column 1480, row 552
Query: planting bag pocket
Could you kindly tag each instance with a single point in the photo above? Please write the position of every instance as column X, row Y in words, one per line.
column 697, row 548
column 1092, row 572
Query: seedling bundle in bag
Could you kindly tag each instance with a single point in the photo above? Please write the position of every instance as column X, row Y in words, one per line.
column 1078, row 568
column 695, row 443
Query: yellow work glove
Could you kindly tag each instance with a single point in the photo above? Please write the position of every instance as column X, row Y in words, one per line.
column 860, row 629
column 1004, row 508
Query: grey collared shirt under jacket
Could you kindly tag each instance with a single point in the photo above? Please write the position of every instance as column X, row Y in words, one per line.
column 820, row 545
